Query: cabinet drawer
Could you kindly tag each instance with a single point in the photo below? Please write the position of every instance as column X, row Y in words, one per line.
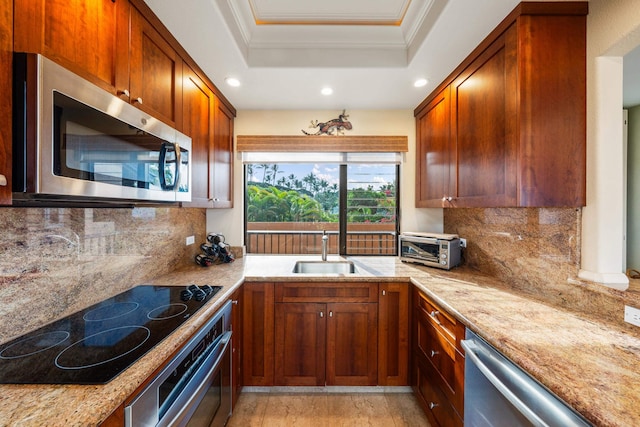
column 326, row 292
column 441, row 320
column 434, row 400
column 435, row 348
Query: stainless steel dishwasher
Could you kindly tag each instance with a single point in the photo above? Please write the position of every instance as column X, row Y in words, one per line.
column 498, row 393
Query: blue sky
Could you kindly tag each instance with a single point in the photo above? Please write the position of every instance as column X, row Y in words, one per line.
column 360, row 175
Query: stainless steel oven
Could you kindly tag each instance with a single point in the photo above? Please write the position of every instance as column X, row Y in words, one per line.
column 195, row 388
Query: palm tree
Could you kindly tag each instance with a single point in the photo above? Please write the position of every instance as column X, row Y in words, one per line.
column 249, row 171
column 265, row 168
column 275, row 169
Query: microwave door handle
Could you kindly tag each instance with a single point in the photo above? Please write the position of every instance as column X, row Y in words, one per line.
column 162, row 164
column 176, row 183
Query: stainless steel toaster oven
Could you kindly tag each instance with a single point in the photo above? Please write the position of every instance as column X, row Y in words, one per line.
column 432, row 249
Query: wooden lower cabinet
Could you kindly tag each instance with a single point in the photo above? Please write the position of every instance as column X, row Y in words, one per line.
column 326, row 333
column 258, row 334
column 116, row 419
column 433, row 400
column 394, row 316
column 352, row 344
column 300, row 348
column 438, row 361
column 326, row 344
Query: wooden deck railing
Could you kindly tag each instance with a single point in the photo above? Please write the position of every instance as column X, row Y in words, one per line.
column 310, row 242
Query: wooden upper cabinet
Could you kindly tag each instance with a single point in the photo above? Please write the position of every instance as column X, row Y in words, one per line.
column 515, row 132
column 434, row 151
column 111, row 44
column 155, row 72
column 482, row 134
column 91, row 38
column 198, row 122
column 221, row 165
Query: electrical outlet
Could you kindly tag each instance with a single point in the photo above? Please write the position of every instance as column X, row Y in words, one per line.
column 632, row 315
column 463, row 243
column 190, row 240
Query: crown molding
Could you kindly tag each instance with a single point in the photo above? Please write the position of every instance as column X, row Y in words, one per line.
column 307, row 40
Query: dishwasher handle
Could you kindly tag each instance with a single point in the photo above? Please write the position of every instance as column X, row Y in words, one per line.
column 521, row 388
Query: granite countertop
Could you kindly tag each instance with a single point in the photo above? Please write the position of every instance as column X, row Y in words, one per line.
column 591, row 365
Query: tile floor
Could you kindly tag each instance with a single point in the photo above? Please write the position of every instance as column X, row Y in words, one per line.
column 301, row 409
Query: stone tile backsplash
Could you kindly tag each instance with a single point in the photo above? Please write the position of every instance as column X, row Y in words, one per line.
column 536, row 252
column 56, row 261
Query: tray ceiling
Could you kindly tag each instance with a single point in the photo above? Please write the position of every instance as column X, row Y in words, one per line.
column 370, row 52
column 329, row 12
column 384, row 33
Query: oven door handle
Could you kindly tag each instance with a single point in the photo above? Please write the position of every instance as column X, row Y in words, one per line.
column 197, row 386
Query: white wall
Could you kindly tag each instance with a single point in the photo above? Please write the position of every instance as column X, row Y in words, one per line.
column 613, row 29
column 230, row 222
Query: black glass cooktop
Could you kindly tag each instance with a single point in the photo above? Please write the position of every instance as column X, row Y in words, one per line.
column 94, row 345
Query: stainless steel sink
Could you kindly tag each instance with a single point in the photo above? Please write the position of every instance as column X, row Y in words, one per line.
column 325, row 267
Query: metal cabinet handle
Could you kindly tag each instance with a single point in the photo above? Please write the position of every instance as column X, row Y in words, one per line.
column 3, row 181
column 124, row 92
column 433, row 353
column 384, row 293
column 138, row 100
column 433, row 315
column 433, row 405
column 235, row 302
column 331, row 314
column 321, row 314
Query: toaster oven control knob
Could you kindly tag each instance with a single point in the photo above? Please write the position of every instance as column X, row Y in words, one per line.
column 443, row 262
column 443, row 256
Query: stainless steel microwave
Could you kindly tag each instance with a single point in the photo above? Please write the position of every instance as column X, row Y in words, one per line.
column 435, row 250
column 74, row 141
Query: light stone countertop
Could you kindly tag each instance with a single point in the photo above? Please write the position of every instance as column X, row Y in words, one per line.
column 591, row 365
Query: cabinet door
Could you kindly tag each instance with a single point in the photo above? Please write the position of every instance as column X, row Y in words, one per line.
column 257, row 339
column 90, row 38
column 393, row 334
column 198, row 123
column 236, row 344
column 300, row 331
column 155, row 72
column 6, row 58
column 221, row 164
column 434, row 152
column 483, row 126
column 352, row 344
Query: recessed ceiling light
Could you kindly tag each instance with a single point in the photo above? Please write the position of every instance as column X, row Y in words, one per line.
column 326, row 91
column 232, row 81
column 420, row 82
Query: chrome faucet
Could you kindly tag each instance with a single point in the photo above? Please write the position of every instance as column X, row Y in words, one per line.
column 325, row 239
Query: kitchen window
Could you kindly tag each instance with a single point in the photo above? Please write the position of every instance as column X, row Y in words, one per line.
column 292, row 198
